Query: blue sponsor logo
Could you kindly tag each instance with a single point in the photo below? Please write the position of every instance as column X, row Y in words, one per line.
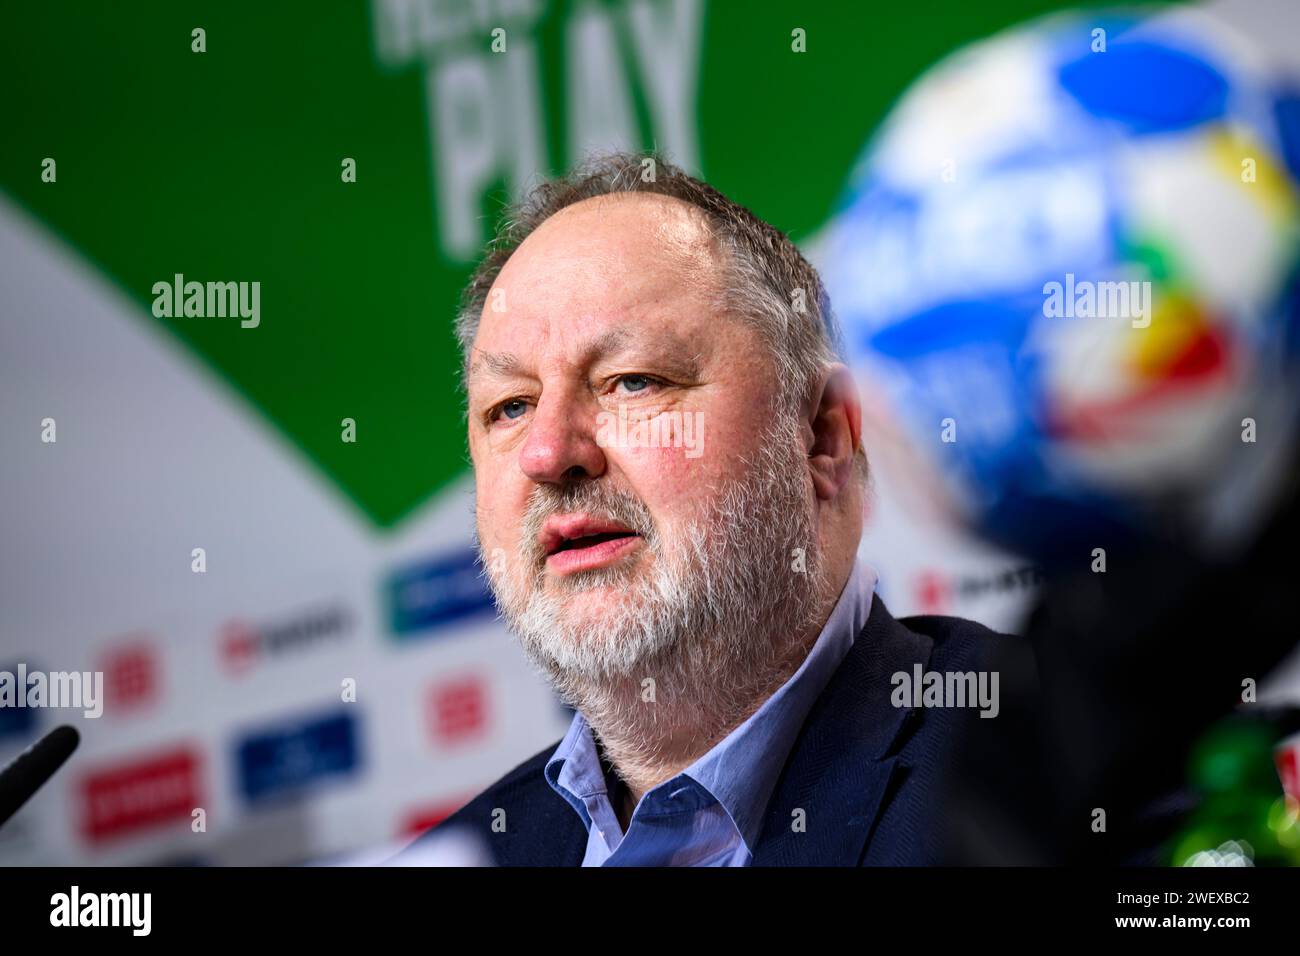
column 436, row 592
column 295, row 757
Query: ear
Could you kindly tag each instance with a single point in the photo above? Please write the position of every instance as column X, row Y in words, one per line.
column 836, row 421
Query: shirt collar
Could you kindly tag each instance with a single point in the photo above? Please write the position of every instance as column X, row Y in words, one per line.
column 741, row 770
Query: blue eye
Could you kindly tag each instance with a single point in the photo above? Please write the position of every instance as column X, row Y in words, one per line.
column 514, row 408
column 635, row 383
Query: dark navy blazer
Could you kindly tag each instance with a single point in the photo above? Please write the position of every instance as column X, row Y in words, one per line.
column 869, row 776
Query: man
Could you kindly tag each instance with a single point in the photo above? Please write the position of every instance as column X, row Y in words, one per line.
column 670, row 492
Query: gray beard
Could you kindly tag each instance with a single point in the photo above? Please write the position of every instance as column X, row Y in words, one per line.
column 696, row 638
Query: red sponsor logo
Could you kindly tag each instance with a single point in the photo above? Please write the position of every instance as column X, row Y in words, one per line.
column 140, row 795
column 130, row 677
column 243, row 644
column 933, row 591
column 239, row 646
column 429, row 817
column 457, row 710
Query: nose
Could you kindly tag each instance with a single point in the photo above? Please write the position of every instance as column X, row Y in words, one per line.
column 561, row 444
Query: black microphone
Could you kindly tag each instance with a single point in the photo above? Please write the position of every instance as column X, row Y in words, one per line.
column 30, row 769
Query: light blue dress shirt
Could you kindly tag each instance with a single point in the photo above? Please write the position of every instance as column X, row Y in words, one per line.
column 712, row 812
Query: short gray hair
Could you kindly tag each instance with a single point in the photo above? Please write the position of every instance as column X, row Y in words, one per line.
column 769, row 283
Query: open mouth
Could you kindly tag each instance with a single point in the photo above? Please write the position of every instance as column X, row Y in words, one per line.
column 581, row 542
column 591, row 540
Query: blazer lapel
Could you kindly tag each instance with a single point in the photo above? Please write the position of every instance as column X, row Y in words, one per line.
column 838, row 774
column 549, row 833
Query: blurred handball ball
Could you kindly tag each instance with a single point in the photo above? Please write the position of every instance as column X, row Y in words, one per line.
column 1071, row 251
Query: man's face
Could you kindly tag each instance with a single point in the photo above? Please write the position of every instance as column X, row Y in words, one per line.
column 620, row 428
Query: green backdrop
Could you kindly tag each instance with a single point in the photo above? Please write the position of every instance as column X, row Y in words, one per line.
column 226, row 165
